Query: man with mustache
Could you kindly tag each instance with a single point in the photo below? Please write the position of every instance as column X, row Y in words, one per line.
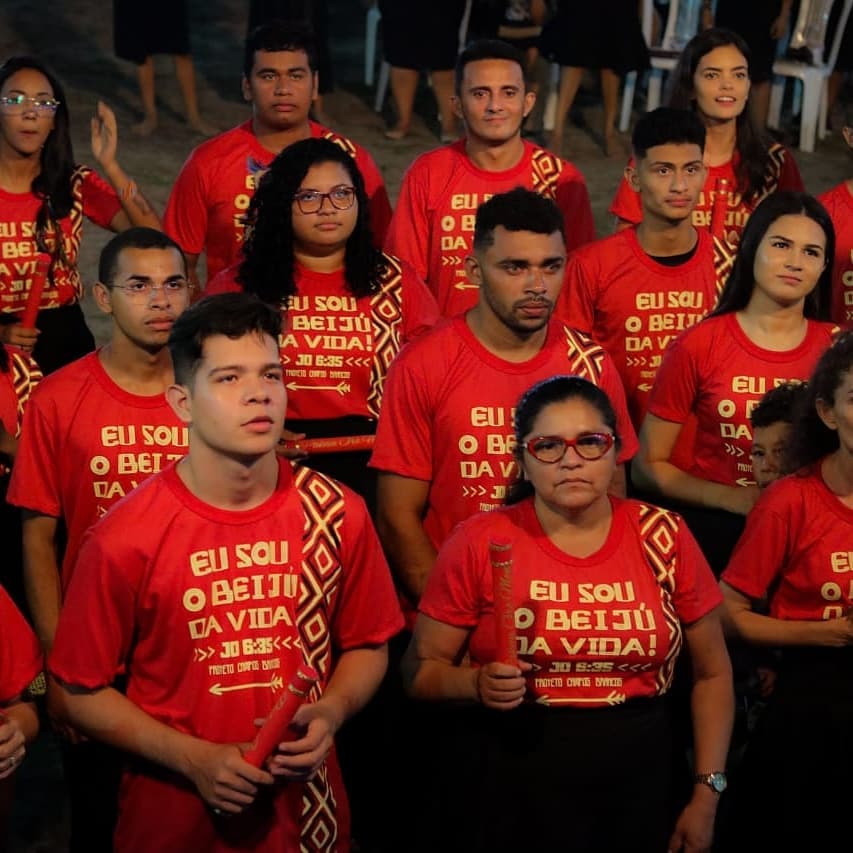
column 443, row 445
column 93, row 430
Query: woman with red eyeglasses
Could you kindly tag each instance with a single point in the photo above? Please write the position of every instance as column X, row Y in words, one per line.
column 572, row 743
column 44, row 196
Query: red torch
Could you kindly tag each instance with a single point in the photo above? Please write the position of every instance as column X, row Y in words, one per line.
column 500, row 556
column 275, row 729
column 31, row 309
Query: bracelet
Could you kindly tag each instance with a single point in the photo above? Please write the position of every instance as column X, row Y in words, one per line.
column 129, row 190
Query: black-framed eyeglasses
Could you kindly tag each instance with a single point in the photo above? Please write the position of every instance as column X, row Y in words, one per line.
column 14, row 105
column 142, row 291
column 311, row 201
column 552, row 448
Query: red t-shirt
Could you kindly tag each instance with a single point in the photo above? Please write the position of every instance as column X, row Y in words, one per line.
column 782, row 174
column 211, row 194
column 93, row 198
column 634, row 306
column 839, row 203
column 85, row 444
column 335, row 348
column 599, row 630
column 448, row 415
column 211, row 611
column 433, row 223
column 20, row 654
column 17, row 383
column 715, row 372
column 797, row 544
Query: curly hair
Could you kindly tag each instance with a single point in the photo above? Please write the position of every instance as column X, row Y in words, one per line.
column 750, row 143
column 53, row 183
column 268, row 265
column 811, row 439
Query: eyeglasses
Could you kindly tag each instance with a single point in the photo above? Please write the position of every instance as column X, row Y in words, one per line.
column 14, row 105
column 142, row 291
column 552, row 448
column 310, row 201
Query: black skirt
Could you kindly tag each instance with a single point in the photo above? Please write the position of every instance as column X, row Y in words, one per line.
column 141, row 29
column 421, row 35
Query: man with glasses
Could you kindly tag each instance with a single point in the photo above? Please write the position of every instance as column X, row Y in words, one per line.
column 96, row 428
column 213, row 190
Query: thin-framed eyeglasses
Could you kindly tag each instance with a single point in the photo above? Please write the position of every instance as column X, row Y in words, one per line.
column 311, row 201
column 142, row 291
column 550, row 449
column 14, row 105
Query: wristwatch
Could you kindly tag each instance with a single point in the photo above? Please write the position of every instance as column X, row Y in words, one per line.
column 716, row 781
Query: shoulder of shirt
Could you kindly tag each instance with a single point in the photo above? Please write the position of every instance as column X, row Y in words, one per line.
column 146, row 498
column 442, row 337
column 602, row 249
column 431, row 162
column 219, row 144
column 68, row 380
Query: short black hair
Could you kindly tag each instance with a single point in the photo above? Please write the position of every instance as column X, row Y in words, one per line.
column 133, row 238
column 488, row 49
column 667, row 126
column 233, row 315
column 275, row 36
column 779, row 405
column 516, row 210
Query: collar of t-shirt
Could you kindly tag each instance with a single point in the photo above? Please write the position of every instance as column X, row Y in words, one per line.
column 676, row 260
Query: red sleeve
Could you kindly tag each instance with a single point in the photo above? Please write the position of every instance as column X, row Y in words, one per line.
column 96, row 624
column 626, row 202
column 100, row 202
column 185, row 218
column 573, row 201
column 420, row 311
column 453, row 592
column 576, row 303
column 789, row 175
column 380, row 204
column 20, row 654
column 224, row 282
column 408, row 232
column 761, row 550
column 611, row 384
column 35, row 474
column 696, row 590
column 368, row 611
column 403, row 436
column 673, row 395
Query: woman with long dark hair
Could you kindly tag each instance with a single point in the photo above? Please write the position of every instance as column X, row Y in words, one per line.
column 347, row 308
column 603, row 594
column 767, row 328
column 44, row 196
column 796, row 552
column 713, row 78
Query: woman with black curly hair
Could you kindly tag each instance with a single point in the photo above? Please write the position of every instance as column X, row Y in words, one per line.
column 347, row 308
column 44, row 196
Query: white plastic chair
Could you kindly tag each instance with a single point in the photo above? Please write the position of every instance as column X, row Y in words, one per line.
column 814, row 79
column 374, row 16
column 664, row 57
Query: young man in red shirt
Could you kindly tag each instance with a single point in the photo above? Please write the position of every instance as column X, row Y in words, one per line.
column 637, row 289
column 434, row 219
column 444, row 441
column 93, row 430
column 212, row 192
column 252, row 570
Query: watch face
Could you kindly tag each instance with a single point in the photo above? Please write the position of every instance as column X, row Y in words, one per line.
column 718, row 782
